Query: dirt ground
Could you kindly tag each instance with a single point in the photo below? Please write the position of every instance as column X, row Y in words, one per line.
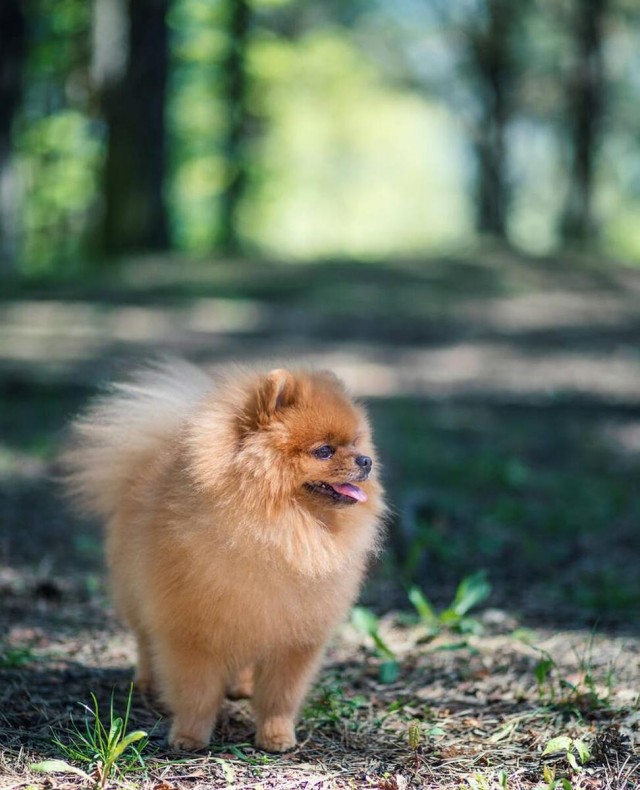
column 505, row 395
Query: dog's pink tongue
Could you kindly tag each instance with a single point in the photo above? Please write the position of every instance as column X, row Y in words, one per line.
column 349, row 490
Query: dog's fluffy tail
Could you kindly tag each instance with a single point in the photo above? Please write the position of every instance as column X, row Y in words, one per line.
column 126, row 428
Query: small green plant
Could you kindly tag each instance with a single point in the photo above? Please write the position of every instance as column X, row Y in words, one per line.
column 330, row 707
column 584, row 694
column 107, row 748
column 576, row 751
column 479, row 781
column 59, row 767
column 590, row 693
column 365, row 621
column 414, row 737
column 15, row 657
column 245, row 753
column 552, row 783
column 416, row 732
column 543, row 672
column 471, row 591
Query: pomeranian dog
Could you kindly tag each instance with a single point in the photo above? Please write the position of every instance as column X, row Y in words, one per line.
column 240, row 514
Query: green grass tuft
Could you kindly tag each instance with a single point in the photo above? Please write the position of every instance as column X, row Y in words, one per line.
column 105, row 745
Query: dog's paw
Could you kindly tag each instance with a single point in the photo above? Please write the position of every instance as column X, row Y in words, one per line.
column 188, row 738
column 186, row 743
column 276, row 743
column 276, row 737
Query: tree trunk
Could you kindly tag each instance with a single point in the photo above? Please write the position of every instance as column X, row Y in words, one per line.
column 235, row 86
column 12, row 55
column 492, row 61
column 132, row 81
column 585, row 104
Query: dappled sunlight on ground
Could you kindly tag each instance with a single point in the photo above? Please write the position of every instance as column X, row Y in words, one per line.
column 56, row 334
column 488, row 333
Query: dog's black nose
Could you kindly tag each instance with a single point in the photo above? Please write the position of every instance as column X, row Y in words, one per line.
column 364, row 462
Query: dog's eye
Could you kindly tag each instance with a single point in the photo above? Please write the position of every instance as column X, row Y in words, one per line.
column 324, row 453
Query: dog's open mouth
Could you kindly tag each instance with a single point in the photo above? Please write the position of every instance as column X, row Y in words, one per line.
column 346, row 493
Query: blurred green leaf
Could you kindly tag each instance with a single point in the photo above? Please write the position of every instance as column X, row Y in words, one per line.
column 560, row 744
column 472, row 590
column 365, row 621
column 583, row 750
column 389, row 672
column 58, row 767
column 422, row 606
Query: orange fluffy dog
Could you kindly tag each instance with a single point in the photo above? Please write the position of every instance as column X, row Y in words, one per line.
column 240, row 514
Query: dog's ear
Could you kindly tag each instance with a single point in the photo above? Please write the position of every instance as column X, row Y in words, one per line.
column 277, row 391
column 274, row 392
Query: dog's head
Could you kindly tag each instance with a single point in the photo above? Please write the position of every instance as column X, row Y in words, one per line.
column 304, row 435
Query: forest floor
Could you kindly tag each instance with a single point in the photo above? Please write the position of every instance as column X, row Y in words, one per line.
column 505, row 396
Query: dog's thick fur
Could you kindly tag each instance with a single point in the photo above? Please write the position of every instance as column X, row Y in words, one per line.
column 226, row 561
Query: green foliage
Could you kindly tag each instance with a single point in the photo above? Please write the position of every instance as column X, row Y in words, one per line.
column 576, row 752
column 417, row 733
column 480, row 781
column 16, row 657
column 330, row 707
column 542, row 672
column 549, row 775
column 62, row 154
column 472, row 590
column 589, row 693
column 195, row 119
column 59, row 767
column 58, row 145
column 323, row 178
column 245, row 753
column 105, row 746
column 366, row 622
column 414, row 735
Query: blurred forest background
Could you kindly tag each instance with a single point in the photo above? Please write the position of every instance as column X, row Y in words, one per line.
column 301, row 129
